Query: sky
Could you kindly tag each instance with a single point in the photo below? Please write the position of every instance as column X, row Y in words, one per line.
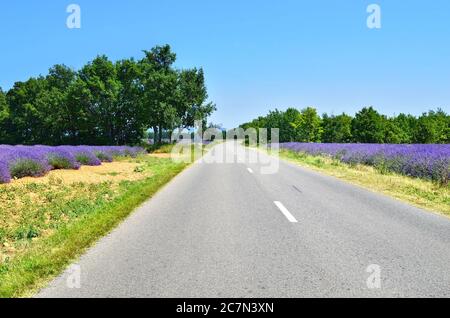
column 257, row 55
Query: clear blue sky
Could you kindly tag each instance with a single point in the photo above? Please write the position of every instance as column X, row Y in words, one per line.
column 257, row 54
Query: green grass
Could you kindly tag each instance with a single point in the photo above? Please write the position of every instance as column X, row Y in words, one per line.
column 72, row 223
column 164, row 148
column 421, row 193
column 168, row 148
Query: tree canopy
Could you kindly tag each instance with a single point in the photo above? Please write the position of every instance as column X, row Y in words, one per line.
column 367, row 126
column 105, row 102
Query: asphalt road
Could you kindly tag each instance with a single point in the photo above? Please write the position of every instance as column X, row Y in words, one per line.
column 229, row 230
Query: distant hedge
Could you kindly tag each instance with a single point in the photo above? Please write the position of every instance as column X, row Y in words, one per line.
column 367, row 126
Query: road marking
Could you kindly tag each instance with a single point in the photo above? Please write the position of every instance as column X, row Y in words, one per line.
column 285, row 211
column 296, row 188
column 250, row 170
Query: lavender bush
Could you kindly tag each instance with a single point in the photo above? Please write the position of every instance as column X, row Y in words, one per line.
column 5, row 175
column 34, row 161
column 422, row 161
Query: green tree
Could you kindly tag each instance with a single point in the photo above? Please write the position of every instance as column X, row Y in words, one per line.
column 260, row 122
column 308, row 125
column 105, row 102
column 4, row 118
column 392, row 132
column 288, row 132
column 406, row 125
column 337, row 129
column 78, row 115
column 159, row 80
column 51, row 103
column 275, row 119
column 433, row 127
column 102, row 107
column 26, row 119
column 191, row 98
column 130, row 117
column 367, row 126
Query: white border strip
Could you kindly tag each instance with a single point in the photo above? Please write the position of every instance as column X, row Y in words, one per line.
column 285, row 211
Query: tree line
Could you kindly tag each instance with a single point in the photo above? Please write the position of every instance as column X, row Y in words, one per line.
column 367, row 126
column 105, row 102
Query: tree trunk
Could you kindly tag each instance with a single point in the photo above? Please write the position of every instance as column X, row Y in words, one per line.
column 160, row 134
column 155, row 134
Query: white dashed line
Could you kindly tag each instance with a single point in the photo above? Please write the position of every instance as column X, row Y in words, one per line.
column 285, row 211
column 250, row 170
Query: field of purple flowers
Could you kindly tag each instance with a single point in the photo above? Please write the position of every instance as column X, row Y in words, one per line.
column 35, row 161
column 430, row 162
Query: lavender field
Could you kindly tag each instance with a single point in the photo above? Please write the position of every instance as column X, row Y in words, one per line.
column 430, row 162
column 36, row 161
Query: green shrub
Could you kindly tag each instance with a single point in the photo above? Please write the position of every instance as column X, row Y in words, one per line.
column 26, row 232
column 82, row 158
column 2, row 235
column 59, row 162
column 159, row 148
column 26, row 168
column 103, row 157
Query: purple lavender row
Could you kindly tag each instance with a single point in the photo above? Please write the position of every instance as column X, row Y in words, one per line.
column 422, row 161
column 35, row 161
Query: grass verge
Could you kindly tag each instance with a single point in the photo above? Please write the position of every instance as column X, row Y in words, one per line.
column 420, row 193
column 59, row 227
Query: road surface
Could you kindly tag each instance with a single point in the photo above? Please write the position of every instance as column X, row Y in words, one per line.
column 229, row 230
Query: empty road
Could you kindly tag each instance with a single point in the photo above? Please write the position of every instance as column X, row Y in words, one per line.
column 232, row 230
